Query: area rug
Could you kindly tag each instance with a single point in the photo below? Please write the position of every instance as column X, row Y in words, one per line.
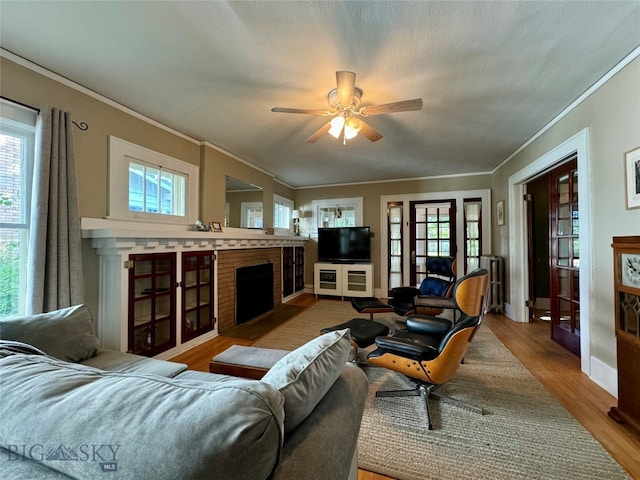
column 524, row 432
column 256, row 328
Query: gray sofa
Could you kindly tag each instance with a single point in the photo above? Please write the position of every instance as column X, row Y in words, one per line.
column 71, row 410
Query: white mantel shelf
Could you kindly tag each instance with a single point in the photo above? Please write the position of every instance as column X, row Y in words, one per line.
column 107, row 234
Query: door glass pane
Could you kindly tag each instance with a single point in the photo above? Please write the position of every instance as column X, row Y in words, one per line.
column 420, row 247
column 576, row 318
column 575, row 186
column 563, row 283
column 575, row 224
column 395, row 214
column 563, row 189
column 576, row 253
column 395, row 247
column 433, row 247
column 564, row 221
column 394, row 231
column 576, row 285
column 563, row 251
column 421, row 230
column 565, row 314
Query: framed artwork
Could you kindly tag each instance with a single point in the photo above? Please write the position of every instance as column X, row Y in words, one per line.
column 216, row 227
column 632, row 178
column 500, row 212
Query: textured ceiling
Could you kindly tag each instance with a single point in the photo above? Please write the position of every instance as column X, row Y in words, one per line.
column 491, row 74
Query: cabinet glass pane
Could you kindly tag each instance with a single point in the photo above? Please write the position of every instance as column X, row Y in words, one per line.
column 163, row 283
column 204, row 294
column 191, row 298
column 142, row 267
column 142, row 311
column 191, row 278
column 191, row 321
column 163, row 306
column 204, row 276
column 205, row 317
column 629, row 311
column 143, row 287
column 190, row 262
column 163, row 265
column 142, row 340
column 163, row 332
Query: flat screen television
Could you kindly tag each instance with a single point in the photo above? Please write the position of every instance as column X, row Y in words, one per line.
column 344, row 244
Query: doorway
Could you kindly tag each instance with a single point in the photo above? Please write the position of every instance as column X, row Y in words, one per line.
column 517, row 308
column 554, row 259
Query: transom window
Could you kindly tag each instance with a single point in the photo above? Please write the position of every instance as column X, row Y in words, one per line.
column 150, row 186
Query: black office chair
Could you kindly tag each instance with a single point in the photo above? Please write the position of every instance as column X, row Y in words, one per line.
column 438, row 284
column 430, row 349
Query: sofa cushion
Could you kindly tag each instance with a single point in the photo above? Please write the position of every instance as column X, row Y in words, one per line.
column 116, row 361
column 67, row 334
column 307, row 373
column 142, row 426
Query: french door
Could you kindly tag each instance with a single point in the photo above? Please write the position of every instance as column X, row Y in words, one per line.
column 565, row 256
column 432, row 233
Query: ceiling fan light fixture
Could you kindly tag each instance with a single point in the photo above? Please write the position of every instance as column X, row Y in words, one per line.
column 338, row 124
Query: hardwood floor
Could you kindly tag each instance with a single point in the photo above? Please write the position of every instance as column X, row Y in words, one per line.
column 557, row 369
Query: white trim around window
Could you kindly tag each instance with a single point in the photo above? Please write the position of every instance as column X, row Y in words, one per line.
column 121, row 154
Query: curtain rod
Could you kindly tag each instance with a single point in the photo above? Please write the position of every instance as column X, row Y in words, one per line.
column 82, row 125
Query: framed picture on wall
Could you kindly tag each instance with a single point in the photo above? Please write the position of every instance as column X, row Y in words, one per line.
column 632, row 178
column 500, row 212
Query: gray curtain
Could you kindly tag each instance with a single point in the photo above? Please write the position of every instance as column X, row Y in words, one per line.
column 54, row 272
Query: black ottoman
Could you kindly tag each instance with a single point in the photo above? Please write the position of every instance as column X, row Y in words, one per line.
column 363, row 331
column 370, row 305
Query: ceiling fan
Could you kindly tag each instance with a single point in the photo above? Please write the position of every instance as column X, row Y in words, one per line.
column 344, row 101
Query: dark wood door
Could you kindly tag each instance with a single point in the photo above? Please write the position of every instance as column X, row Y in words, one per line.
column 565, row 256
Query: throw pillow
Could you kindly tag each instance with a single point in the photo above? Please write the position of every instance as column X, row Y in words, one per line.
column 306, row 374
column 66, row 334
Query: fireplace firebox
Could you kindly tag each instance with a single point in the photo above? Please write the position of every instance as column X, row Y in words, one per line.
column 254, row 291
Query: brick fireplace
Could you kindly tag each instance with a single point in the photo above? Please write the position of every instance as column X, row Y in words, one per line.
column 228, row 262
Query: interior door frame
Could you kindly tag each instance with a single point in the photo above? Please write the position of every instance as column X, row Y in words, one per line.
column 518, row 251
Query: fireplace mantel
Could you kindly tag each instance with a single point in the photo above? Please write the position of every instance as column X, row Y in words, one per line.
column 114, row 240
column 122, row 235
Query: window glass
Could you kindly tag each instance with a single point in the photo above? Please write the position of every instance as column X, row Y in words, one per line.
column 282, row 210
column 17, row 130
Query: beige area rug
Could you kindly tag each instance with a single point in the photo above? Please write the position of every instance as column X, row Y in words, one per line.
column 524, row 434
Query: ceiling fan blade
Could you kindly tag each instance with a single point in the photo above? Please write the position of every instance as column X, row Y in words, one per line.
column 346, row 83
column 301, row 110
column 395, row 107
column 319, row 133
column 368, row 132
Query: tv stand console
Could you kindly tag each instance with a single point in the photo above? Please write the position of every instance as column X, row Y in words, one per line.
column 343, row 279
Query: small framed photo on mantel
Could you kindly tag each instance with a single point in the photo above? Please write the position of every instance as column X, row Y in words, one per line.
column 632, row 178
column 216, row 227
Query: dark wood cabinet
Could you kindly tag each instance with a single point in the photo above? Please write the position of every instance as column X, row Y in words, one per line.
column 197, row 294
column 626, row 257
column 292, row 270
column 152, row 303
